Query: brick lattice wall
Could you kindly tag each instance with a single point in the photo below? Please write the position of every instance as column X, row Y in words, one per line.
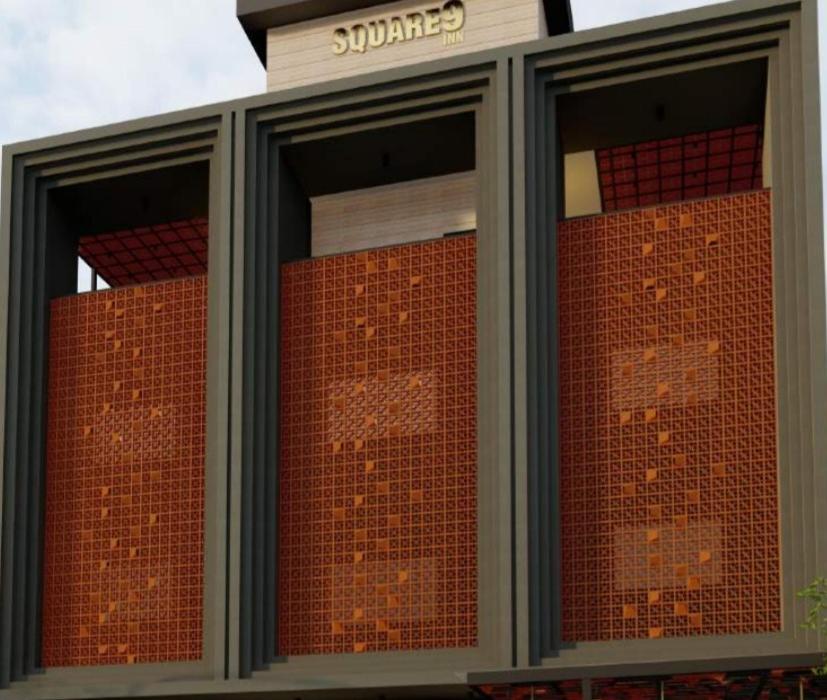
column 668, row 422
column 123, row 565
column 378, row 517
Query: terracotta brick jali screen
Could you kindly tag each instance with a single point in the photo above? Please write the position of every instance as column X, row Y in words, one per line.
column 377, row 470
column 123, row 563
column 668, row 422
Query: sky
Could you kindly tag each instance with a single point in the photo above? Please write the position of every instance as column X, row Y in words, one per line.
column 72, row 64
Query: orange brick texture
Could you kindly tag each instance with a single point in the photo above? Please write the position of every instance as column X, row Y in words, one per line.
column 668, row 422
column 377, row 536
column 123, row 568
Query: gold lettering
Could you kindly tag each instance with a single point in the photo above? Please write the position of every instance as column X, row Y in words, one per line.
column 377, row 33
column 358, row 38
column 453, row 16
column 414, row 25
column 447, row 20
column 340, row 42
column 432, row 22
column 396, row 31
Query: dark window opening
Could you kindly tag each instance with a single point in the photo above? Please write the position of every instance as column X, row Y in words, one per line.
column 664, row 140
column 145, row 227
column 378, row 187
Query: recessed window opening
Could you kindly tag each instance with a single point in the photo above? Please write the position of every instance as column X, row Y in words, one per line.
column 135, row 229
column 381, row 187
column 665, row 140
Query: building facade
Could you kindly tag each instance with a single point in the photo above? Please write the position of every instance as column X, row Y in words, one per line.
column 478, row 355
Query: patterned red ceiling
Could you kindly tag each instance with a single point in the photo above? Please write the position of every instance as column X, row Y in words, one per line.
column 148, row 254
column 687, row 167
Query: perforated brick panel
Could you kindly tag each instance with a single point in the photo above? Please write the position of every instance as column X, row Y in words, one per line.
column 147, row 254
column 378, row 516
column 668, row 422
column 710, row 163
column 123, row 567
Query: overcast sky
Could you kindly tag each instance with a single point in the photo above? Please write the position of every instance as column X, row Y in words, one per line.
column 71, row 64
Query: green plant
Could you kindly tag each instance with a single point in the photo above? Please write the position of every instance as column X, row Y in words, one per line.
column 816, row 593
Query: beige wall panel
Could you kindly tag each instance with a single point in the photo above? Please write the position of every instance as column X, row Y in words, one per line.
column 302, row 53
column 394, row 214
column 582, row 185
column 766, row 167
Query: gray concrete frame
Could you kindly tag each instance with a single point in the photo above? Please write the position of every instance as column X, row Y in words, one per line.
column 479, row 91
column 784, row 36
column 511, row 92
column 29, row 176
